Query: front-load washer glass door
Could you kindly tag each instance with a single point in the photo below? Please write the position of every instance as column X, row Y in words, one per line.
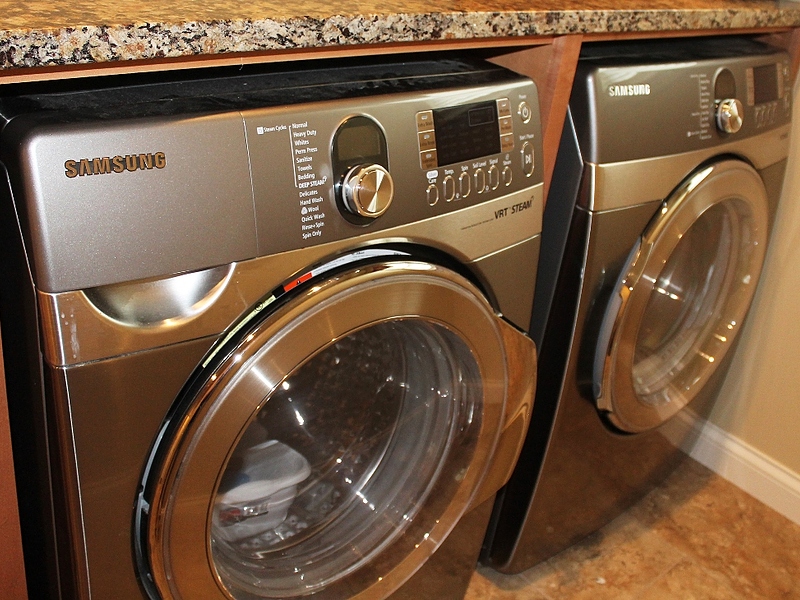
column 328, row 445
column 680, row 301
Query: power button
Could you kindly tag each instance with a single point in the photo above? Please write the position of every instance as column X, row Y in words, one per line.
column 525, row 112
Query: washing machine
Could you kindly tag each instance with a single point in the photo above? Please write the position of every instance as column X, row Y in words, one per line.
column 667, row 178
column 265, row 328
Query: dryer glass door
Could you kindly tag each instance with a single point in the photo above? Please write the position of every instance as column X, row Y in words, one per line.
column 681, row 299
column 331, row 444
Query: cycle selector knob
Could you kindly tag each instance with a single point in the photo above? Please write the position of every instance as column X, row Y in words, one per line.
column 730, row 114
column 367, row 190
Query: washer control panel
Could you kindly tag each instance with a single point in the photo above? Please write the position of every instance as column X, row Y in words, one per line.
column 227, row 168
column 455, row 134
column 383, row 161
column 453, row 140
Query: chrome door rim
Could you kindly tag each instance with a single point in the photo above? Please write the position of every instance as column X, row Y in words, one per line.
column 192, row 465
column 734, row 185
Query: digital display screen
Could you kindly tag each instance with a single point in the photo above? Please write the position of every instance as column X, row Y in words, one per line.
column 765, row 83
column 466, row 132
column 359, row 142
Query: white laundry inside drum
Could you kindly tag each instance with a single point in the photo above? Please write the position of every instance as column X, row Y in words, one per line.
column 263, row 488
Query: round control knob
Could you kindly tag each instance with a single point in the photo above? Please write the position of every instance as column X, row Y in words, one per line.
column 367, row 190
column 729, row 115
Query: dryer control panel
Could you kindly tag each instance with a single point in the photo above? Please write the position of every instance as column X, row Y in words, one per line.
column 762, row 93
column 659, row 98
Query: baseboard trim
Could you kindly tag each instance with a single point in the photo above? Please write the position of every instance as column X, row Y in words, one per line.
column 738, row 462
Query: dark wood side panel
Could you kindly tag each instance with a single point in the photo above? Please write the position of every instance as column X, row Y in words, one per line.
column 552, row 67
column 12, row 573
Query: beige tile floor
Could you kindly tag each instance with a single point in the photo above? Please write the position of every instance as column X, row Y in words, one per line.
column 696, row 537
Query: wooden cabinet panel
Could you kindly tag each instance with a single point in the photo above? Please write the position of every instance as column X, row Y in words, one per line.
column 12, row 573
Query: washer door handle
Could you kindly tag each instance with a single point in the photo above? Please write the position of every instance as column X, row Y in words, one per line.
column 521, row 360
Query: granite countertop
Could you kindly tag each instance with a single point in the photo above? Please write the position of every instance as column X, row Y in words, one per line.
column 46, row 34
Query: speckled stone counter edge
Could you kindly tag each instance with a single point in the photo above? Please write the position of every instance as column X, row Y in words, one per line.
column 92, row 44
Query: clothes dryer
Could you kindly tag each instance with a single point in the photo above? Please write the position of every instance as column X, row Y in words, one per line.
column 666, row 182
column 265, row 330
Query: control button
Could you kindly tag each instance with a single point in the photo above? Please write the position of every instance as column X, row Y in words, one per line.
column 508, row 175
column 428, row 159
column 464, row 185
column 427, row 140
column 433, row 195
column 525, row 112
column 367, row 190
column 494, row 177
column 506, row 125
column 729, row 115
column 528, row 164
column 507, row 142
column 449, row 187
column 480, row 181
column 425, row 120
column 503, row 107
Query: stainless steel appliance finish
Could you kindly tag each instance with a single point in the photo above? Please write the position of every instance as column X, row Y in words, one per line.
column 281, row 352
column 665, row 187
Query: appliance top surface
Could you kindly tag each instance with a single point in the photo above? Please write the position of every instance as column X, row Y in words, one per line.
column 672, row 51
column 239, row 88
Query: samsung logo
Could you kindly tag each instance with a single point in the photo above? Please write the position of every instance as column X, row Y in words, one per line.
column 114, row 164
column 637, row 89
